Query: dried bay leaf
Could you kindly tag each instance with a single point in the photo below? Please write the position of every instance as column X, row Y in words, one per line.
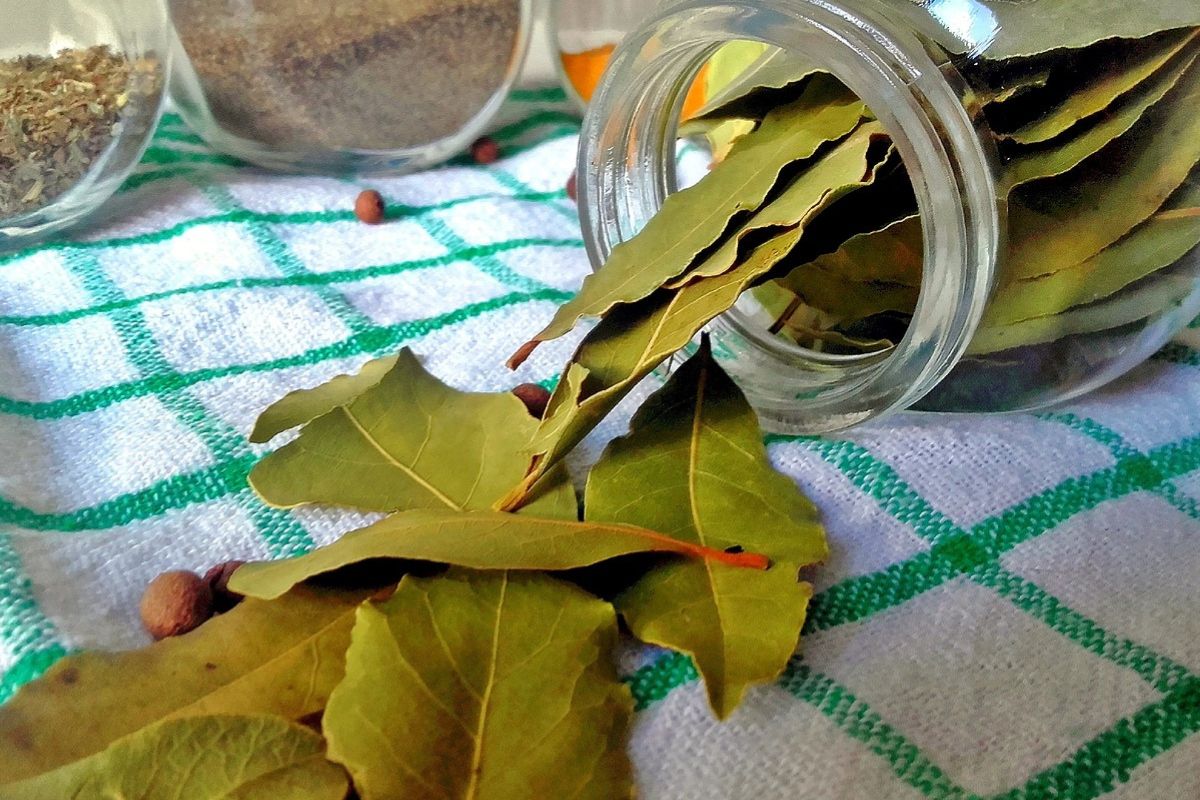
column 694, row 464
column 198, row 758
column 1102, row 90
column 1136, row 303
column 287, row 660
column 484, row 540
column 493, row 686
column 695, row 218
column 634, row 338
column 1044, row 162
column 1059, row 222
column 1158, row 243
column 305, row 405
column 409, row 441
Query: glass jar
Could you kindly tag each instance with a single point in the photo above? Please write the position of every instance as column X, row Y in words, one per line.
column 81, row 89
column 1051, row 149
column 369, row 86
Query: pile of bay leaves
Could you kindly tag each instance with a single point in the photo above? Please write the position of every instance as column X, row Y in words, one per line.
column 462, row 646
column 448, row 650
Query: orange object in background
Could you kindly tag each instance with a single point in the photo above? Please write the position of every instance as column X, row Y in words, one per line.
column 584, row 69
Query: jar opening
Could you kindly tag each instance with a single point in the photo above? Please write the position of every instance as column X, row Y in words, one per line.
column 628, row 165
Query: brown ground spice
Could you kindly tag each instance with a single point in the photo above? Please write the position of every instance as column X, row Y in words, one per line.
column 372, row 75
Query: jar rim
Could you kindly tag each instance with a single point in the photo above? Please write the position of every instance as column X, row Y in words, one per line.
column 627, row 168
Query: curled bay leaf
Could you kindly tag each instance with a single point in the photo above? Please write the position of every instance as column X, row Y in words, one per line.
column 696, row 218
column 287, row 660
column 694, row 464
column 199, row 758
column 1062, row 221
column 480, row 540
column 634, row 338
column 492, row 686
column 305, row 405
column 409, row 441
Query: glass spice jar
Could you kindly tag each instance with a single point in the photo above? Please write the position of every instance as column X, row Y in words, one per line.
column 81, row 89
column 1044, row 241
column 369, row 86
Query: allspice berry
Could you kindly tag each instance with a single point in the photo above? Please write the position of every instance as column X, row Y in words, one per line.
column 369, row 207
column 174, row 603
column 485, row 150
column 217, row 579
column 535, row 398
column 573, row 187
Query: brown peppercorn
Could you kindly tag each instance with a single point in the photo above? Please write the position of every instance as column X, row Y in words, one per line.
column 174, row 603
column 573, row 188
column 485, row 150
column 535, row 398
column 369, row 207
column 217, row 579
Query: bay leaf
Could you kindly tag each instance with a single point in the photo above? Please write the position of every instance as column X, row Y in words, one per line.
column 484, row 540
column 996, row 30
column 796, row 205
column 694, row 464
column 1044, row 162
column 409, row 441
column 745, row 80
column 1103, row 89
column 1059, row 222
column 492, row 686
column 634, row 338
column 198, row 758
column 1158, row 243
column 305, row 405
column 1135, row 303
column 287, row 660
column 696, row 218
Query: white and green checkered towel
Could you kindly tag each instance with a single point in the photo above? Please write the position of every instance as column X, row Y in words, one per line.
column 1012, row 608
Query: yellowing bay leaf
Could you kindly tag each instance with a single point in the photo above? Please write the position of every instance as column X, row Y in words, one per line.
column 198, row 758
column 634, row 338
column 1057, row 157
column 1060, row 222
column 1102, row 90
column 490, row 686
column 409, row 441
column 1158, row 243
column 484, row 540
column 305, row 405
column 287, row 659
column 694, row 464
column 696, row 218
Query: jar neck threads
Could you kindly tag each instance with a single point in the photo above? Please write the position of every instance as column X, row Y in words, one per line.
column 627, row 167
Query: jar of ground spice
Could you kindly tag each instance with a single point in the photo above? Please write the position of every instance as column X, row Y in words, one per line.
column 369, row 86
column 81, row 88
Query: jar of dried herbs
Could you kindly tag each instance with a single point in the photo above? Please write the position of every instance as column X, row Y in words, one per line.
column 957, row 205
column 81, row 88
column 369, row 86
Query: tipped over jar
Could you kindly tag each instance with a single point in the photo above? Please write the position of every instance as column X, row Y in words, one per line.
column 1029, row 231
column 370, row 86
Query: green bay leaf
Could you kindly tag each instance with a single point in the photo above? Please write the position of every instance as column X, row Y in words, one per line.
column 287, row 660
column 1062, row 221
column 1158, row 243
column 409, row 441
column 695, row 218
column 1059, row 157
column 1102, row 90
column 305, row 405
column 694, row 464
column 479, row 540
column 198, row 758
column 491, row 686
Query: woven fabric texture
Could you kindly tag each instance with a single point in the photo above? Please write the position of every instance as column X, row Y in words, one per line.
column 1012, row 608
